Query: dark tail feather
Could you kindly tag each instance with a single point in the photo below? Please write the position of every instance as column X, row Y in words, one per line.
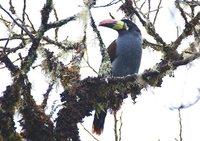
column 98, row 123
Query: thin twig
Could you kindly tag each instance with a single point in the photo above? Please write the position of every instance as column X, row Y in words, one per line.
column 88, row 65
column 9, row 50
column 190, row 3
column 154, row 10
column 88, row 132
column 6, row 45
column 141, row 4
column 180, row 124
column 22, row 27
column 57, row 28
column 109, row 4
column 149, row 8
column 148, row 25
column 60, row 23
column 23, row 15
column 182, row 11
column 157, row 11
column 120, row 127
column 62, row 46
column 115, row 125
column 186, row 32
column 32, row 26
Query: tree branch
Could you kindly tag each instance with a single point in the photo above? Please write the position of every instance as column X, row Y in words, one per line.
column 186, row 32
column 22, row 27
column 61, row 22
column 129, row 10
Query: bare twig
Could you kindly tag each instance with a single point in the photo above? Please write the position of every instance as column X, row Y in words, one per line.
column 88, row 64
column 141, row 4
column 60, row 22
column 6, row 45
column 180, row 125
column 13, row 49
column 149, row 8
column 89, row 132
column 57, row 28
column 115, row 125
column 120, row 127
column 21, row 26
column 190, row 3
column 109, row 4
column 186, row 32
column 31, row 24
column 146, row 23
column 140, row 8
column 62, row 46
column 157, row 11
column 182, row 11
column 23, row 15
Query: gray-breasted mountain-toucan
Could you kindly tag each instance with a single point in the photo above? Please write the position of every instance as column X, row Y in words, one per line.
column 125, row 54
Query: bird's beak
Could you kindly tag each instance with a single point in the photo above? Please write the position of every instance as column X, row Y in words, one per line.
column 114, row 24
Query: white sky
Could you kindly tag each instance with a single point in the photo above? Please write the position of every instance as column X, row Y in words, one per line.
column 150, row 118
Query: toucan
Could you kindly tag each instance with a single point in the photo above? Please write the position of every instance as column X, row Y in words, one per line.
column 125, row 54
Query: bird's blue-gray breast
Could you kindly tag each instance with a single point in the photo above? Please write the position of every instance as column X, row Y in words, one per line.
column 128, row 53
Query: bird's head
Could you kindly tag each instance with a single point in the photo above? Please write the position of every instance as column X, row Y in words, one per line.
column 121, row 25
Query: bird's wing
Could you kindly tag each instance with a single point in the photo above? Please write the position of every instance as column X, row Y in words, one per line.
column 112, row 50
